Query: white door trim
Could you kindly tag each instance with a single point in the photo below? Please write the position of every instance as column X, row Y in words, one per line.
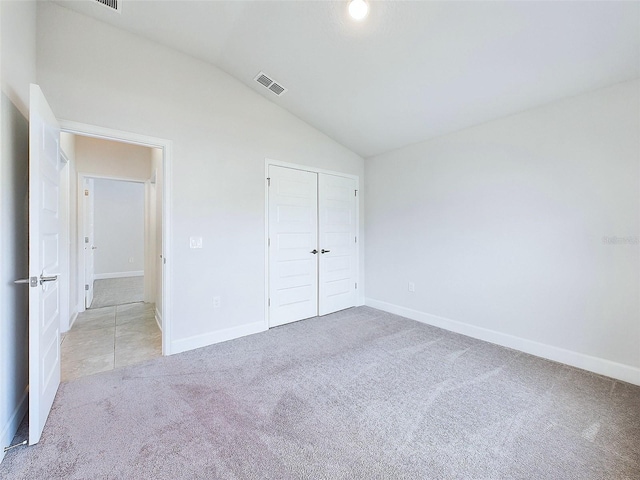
column 65, row 244
column 267, row 163
column 104, row 133
column 83, row 252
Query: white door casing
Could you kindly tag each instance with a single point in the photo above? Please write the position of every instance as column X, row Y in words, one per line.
column 338, row 236
column 293, row 236
column 44, row 245
column 89, row 247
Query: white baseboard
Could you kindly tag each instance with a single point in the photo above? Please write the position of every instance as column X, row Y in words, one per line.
column 103, row 276
column 159, row 318
column 197, row 341
column 626, row 373
column 10, row 428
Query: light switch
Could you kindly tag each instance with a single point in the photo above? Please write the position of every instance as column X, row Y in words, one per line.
column 195, row 242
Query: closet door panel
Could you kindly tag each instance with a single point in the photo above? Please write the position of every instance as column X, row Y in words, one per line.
column 337, row 243
column 293, row 236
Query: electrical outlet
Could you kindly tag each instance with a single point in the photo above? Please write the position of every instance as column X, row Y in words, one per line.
column 216, row 302
column 195, row 242
column 412, row 287
column 130, row 259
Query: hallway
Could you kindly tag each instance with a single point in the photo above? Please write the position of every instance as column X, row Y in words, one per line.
column 111, row 337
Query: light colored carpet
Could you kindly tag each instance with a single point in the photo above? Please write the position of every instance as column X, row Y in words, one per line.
column 117, row 291
column 358, row 394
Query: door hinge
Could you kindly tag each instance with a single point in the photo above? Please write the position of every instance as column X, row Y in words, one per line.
column 268, row 242
column 86, row 193
column 356, row 286
column 356, row 193
column 86, row 287
column 269, row 302
column 356, row 240
column 268, row 182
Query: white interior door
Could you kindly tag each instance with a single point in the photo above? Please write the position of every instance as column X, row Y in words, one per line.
column 44, row 264
column 338, row 230
column 89, row 247
column 293, row 237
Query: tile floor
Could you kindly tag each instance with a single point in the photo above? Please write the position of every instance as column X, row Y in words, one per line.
column 102, row 339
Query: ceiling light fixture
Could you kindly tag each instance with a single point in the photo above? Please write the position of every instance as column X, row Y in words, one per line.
column 358, row 9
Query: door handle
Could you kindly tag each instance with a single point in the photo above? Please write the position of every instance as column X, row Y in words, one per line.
column 93, row 247
column 31, row 281
column 325, row 251
column 314, row 251
column 48, row 278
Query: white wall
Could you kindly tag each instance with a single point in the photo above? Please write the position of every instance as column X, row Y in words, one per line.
column 100, row 157
column 17, row 70
column 118, row 228
column 221, row 132
column 501, row 228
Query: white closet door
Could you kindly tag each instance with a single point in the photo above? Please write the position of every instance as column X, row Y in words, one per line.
column 337, row 223
column 293, row 236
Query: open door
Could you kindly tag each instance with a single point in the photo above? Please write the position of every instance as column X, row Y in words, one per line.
column 44, row 265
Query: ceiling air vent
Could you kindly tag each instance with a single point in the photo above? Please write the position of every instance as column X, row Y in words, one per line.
column 115, row 5
column 264, row 80
column 277, row 89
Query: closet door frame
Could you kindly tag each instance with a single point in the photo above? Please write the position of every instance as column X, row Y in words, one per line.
column 307, row 168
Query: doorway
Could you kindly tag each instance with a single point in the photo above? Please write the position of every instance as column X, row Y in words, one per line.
column 118, row 229
column 115, row 242
column 312, row 242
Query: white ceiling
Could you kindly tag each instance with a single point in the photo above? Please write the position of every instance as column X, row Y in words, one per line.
column 411, row 70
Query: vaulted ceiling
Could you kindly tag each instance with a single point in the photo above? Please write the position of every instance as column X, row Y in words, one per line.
column 408, row 72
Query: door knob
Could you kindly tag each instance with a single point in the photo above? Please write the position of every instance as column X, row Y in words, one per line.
column 325, row 251
column 314, row 251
